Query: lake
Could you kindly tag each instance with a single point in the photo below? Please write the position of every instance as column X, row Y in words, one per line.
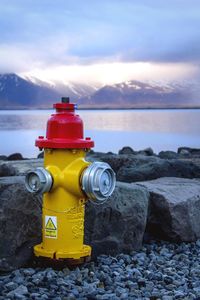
column 110, row 129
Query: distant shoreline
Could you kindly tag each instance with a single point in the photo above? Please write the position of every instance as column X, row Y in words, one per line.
column 107, row 108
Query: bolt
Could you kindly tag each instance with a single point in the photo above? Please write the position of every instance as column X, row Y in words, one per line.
column 65, row 100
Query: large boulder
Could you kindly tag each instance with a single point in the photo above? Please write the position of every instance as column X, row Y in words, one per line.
column 115, row 226
column 168, row 154
column 20, row 223
column 154, row 167
column 15, row 156
column 127, row 150
column 3, row 157
column 19, row 167
column 174, row 210
column 139, row 167
column 148, row 151
column 7, row 170
column 118, row 225
column 189, row 151
column 128, row 167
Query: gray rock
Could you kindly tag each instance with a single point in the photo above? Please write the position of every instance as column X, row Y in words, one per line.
column 121, row 277
column 20, row 223
column 3, row 157
column 11, row 286
column 7, row 170
column 20, row 167
column 18, row 293
column 147, row 151
column 168, row 154
column 21, row 290
column 185, row 153
column 188, row 150
column 41, row 155
column 127, row 150
column 15, row 156
column 154, row 167
column 135, row 167
column 128, row 167
column 34, row 295
column 119, row 224
column 174, row 208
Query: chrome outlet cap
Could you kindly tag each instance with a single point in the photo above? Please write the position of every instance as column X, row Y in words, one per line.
column 98, row 181
column 38, row 181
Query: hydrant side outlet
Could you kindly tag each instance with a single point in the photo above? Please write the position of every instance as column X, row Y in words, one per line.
column 67, row 181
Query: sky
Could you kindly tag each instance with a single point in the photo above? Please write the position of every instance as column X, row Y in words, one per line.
column 105, row 41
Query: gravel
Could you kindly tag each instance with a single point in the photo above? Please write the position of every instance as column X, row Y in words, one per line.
column 159, row 271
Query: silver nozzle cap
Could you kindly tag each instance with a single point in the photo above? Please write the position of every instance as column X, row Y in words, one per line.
column 98, row 181
column 38, row 181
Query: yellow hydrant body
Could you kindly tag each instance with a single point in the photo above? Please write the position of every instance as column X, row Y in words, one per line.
column 63, row 207
column 67, row 181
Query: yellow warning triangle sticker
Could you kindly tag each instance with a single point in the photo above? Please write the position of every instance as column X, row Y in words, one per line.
column 50, row 225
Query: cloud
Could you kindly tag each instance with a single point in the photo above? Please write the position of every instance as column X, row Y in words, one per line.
column 112, row 72
column 43, row 34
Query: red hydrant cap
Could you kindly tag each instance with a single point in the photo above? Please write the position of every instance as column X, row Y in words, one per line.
column 64, row 129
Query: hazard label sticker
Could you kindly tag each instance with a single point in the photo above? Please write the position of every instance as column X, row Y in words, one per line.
column 51, row 227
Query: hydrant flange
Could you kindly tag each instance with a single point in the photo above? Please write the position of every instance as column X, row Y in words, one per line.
column 98, row 181
column 38, row 181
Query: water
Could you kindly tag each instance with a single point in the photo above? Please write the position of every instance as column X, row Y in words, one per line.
column 110, row 129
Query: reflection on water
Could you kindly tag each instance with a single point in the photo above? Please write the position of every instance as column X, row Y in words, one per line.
column 111, row 130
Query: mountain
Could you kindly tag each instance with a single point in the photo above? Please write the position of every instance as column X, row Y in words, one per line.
column 29, row 92
column 16, row 93
column 70, row 89
column 135, row 94
column 19, row 93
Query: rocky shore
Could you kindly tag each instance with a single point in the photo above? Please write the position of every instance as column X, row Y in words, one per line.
column 158, row 271
column 145, row 239
column 129, row 165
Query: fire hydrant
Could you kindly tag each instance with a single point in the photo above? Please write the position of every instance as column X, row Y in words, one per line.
column 67, row 181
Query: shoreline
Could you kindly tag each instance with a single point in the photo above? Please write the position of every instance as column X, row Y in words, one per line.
column 107, row 108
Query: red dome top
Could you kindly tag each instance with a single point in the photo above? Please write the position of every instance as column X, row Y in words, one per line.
column 64, row 129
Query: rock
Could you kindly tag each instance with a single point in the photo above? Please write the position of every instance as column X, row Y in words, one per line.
column 3, row 157
column 132, row 168
column 15, row 156
column 20, row 223
column 147, row 151
column 118, row 225
column 128, row 167
column 185, row 153
column 21, row 166
column 189, row 151
column 7, row 170
column 18, row 293
column 21, row 290
column 155, row 167
column 115, row 161
column 168, row 154
column 41, row 155
column 11, row 286
column 174, row 208
column 127, row 150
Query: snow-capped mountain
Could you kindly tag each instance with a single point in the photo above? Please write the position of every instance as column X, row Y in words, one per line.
column 135, row 94
column 75, row 90
column 17, row 92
